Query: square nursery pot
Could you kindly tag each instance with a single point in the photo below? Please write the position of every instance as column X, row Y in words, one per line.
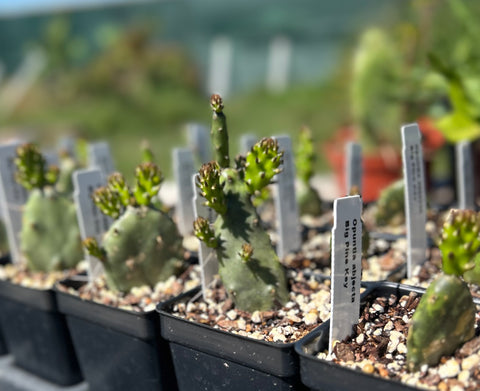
column 117, row 349
column 210, row 359
column 323, row 375
column 37, row 335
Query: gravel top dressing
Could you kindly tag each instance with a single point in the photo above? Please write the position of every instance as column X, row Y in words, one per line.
column 378, row 346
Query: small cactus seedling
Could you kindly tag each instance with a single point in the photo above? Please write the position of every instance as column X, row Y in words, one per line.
column 50, row 237
column 143, row 246
column 460, row 243
column 308, row 199
column 248, row 265
column 391, row 205
column 443, row 321
column 445, row 316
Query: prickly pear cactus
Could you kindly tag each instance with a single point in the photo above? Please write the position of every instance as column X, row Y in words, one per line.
column 143, row 246
column 460, row 243
column 248, row 265
column 443, row 321
column 50, row 237
column 308, row 198
column 391, row 205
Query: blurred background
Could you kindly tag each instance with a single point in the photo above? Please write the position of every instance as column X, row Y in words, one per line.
column 124, row 71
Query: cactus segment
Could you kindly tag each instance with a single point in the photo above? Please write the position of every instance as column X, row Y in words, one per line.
column 262, row 163
column 50, row 237
column 218, row 132
column 67, row 165
column 31, row 168
column 460, row 243
column 444, row 320
column 248, row 265
column 203, row 231
column 143, row 246
column 391, row 204
column 211, row 188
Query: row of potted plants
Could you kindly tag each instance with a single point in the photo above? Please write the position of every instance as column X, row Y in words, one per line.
column 242, row 331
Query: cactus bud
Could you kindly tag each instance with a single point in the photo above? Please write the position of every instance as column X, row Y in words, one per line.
column 211, row 188
column 116, row 183
column 148, row 179
column 92, row 247
column 219, row 133
column 246, row 252
column 31, row 167
column 203, row 231
column 108, row 201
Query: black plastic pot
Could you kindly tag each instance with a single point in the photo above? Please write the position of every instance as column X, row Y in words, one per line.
column 210, row 359
column 323, row 375
column 37, row 334
column 117, row 349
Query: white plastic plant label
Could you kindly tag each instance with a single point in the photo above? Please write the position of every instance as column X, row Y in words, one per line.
column 346, row 267
column 13, row 197
column 465, row 178
column 99, row 156
column 183, row 169
column 199, row 141
column 415, row 197
column 353, row 165
column 286, row 207
column 207, row 257
column 92, row 222
column 247, row 141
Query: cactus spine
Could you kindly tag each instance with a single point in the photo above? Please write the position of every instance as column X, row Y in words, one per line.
column 445, row 316
column 143, row 246
column 248, row 265
column 308, row 199
column 50, row 237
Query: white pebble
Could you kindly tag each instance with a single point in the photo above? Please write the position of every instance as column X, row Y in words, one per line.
column 232, row 314
column 360, row 339
column 464, row 376
column 310, row 318
column 470, row 362
column 256, row 317
column 389, row 326
column 377, row 332
column 401, row 348
column 449, row 369
column 378, row 308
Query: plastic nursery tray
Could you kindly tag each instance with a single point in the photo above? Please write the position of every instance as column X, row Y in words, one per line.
column 37, row 335
column 117, row 349
column 212, row 359
column 323, row 375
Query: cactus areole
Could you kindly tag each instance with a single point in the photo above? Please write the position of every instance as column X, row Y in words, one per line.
column 248, row 265
column 143, row 246
column 50, row 237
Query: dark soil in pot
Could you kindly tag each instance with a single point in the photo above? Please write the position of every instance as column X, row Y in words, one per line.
column 377, row 347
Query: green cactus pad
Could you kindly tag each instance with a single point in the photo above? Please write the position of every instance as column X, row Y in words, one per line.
column 50, row 237
column 142, row 247
column 443, row 321
column 460, row 243
column 256, row 281
column 391, row 205
column 218, row 132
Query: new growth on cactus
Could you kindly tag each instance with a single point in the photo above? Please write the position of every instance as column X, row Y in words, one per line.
column 50, row 237
column 308, row 198
column 248, row 265
column 445, row 316
column 143, row 246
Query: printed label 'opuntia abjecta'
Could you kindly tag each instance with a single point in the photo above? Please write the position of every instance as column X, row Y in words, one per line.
column 99, row 156
column 92, row 222
column 346, row 267
column 183, row 169
column 13, row 197
column 415, row 197
column 354, row 167
column 286, row 202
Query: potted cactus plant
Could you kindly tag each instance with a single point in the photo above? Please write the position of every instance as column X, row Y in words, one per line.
column 36, row 333
column 114, row 315
column 408, row 337
column 243, row 329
